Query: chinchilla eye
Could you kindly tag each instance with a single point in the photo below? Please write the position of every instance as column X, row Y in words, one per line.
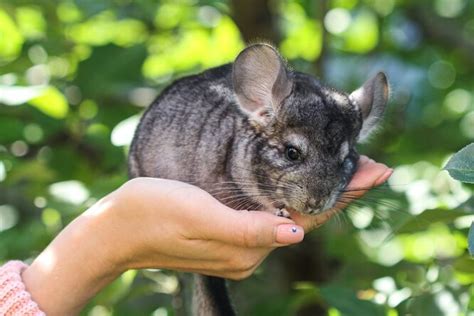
column 292, row 153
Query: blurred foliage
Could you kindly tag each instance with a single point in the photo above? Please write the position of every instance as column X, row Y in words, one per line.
column 75, row 76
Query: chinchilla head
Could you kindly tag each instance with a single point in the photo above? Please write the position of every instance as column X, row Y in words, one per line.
column 306, row 153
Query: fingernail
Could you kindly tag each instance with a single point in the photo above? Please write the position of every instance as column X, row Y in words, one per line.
column 289, row 234
column 384, row 177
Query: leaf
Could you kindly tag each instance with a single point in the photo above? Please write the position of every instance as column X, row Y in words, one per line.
column 347, row 303
column 464, row 264
column 461, row 165
column 424, row 220
column 11, row 39
column 424, row 304
column 111, row 71
column 52, row 103
column 471, row 239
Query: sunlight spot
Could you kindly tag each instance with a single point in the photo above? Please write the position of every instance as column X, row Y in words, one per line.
column 380, row 298
column 142, row 97
column 51, row 218
column 33, row 133
column 209, row 16
column 390, row 253
column 123, row 132
column 458, row 101
column 385, row 285
column 38, row 75
column 467, row 125
column 384, row 7
column 18, row 95
column 441, row 74
column 463, row 221
column 8, row 217
column 99, row 310
column 362, row 217
column 400, row 178
column 37, row 54
column 375, row 237
column 160, row 312
column 40, row 201
column 447, row 304
column 398, row 296
column 72, row 191
column 449, row 8
column 19, row 148
column 432, row 274
column 3, row 171
column 337, row 20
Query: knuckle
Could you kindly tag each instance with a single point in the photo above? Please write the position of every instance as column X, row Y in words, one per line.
column 249, row 236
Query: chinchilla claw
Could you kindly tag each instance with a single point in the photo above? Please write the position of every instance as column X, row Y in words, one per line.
column 282, row 213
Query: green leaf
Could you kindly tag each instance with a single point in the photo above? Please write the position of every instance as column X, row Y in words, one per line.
column 115, row 71
column 345, row 300
column 421, row 305
column 471, row 239
column 461, row 165
column 11, row 40
column 424, row 220
column 363, row 34
column 464, row 264
column 51, row 102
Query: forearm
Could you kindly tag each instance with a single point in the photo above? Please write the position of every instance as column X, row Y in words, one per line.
column 73, row 268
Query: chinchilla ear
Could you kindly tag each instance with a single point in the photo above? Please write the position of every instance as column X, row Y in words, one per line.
column 260, row 80
column 371, row 99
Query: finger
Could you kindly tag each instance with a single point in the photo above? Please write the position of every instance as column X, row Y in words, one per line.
column 369, row 174
column 310, row 222
column 257, row 229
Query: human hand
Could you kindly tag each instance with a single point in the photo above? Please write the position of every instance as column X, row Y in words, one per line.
column 369, row 174
column 174, row 225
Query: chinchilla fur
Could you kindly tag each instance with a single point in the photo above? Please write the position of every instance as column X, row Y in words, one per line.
column 256, row 135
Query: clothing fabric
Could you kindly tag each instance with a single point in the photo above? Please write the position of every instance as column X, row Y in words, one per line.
column 14, row 299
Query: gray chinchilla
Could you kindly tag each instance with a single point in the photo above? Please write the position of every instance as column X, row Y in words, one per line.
column 256, row 135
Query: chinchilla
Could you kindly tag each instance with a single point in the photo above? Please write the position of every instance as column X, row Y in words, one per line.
column 258, row 136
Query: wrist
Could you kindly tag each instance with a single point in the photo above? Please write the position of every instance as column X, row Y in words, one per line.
column 74, row 267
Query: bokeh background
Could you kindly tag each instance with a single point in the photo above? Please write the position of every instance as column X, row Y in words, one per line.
column 76, row 75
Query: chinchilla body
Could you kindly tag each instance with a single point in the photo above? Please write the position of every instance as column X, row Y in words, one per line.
column 193, row 133
column 256, row 136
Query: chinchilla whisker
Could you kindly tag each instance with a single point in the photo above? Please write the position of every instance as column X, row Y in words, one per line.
column 336, row 215
column 267, row 176
column 343, row 216
column 234, row 199
column 249, row 183
column 242, row 186
column 372, row 189
column 241, row 201
column 224, row 193
column 247, row 205
column 240, row 196
column 242, row 190
column 372, row 203
column 383, row 202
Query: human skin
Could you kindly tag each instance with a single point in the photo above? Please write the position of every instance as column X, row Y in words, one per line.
column 157, row 223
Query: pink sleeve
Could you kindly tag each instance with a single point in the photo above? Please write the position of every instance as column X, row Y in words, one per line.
column 14, row 299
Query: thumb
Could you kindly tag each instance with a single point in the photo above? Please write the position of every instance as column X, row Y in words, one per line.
column 255, row 229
